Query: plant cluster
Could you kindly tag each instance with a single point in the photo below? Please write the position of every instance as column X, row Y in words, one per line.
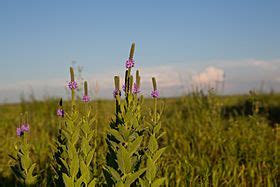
column 132, row 142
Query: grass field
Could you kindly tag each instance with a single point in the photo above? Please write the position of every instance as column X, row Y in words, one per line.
column 211, row 140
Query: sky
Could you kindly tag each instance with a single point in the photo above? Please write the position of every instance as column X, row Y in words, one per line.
column 185, row 44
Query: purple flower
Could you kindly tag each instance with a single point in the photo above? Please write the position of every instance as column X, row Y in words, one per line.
column 25, row 127
column 19, row 131
column 116, row 92
column 155, row 94
column 72, row 85
column 136, row 89
column 86, row 98
column 60, row 112
column 129, row 63
column 123, row 87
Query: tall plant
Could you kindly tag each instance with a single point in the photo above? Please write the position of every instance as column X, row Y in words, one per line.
column 129, row 160
column 74, row 148
column 125, row 134
column 152, row 150
column 24, row 167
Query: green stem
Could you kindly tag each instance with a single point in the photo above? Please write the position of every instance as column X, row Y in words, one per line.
column 155, row 110
column 73, row 99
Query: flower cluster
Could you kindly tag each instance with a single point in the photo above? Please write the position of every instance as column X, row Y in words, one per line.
column 72, row 85
column 86, row 98
column 24, row 128
column 116, row 92
column 155, row 94
column 60, row 112
column 123, row 87
column 129, row 63
column 136, row 89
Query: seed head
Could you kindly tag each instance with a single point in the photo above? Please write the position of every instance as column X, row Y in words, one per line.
column 72, row 74
column 85, row 88
column 155, row 92
column 132, row 49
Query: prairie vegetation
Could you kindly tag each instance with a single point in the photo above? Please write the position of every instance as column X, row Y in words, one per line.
column 198, row 139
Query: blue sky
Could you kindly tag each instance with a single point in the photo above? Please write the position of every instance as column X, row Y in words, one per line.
column 40, row 39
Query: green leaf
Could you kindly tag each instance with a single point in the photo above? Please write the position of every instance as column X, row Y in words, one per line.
column 30, row 171
column 151, row 169
column 120, row 184
column 135, row 145
column 123, row 160
column 92, row 183
column 75, row 136
column 158, row 153
column 71, row 151
column 116, row 134
column 157, row 128
column 143, row 182
column 114, row 173
column 78, row 182
column 89, row 157
column 31, row 180
column 158, row 182
column 85, row 171
column 64, row 163
column 162, row 134
column 153, row 145
column 74, row 166
column 130, row 179
column 85, row 146
column 69, row 182
column 25, row 162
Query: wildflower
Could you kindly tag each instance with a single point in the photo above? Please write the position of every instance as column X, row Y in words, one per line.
column 86, row 98
column 60, row 112
column 155, row 94
column 72, row 85
column 129, row 63
column 116, row 92
column 19, row 131
column 136, row 89
column 25, row 127
column 123, row 87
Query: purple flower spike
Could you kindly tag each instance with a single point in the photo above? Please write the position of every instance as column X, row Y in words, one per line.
column 72, row 85
column 136, row 89
column 19, row 132
column 129, row 63
column 155, row 94
column 86, row 98
column 116, row 92
column 60, row 112
column 25, row 127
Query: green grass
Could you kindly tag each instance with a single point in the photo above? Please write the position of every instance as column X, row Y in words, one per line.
column 211, row 140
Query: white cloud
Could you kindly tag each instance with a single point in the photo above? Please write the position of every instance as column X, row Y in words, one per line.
column 209, row 76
